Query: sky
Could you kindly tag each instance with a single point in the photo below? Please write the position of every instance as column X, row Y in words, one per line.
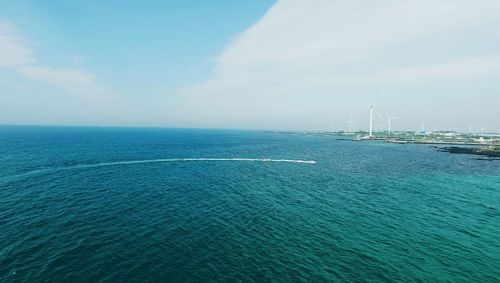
column 251, row 64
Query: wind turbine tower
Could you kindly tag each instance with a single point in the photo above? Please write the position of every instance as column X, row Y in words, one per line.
column 351, row 123
column 371, row 121
column 389, row 119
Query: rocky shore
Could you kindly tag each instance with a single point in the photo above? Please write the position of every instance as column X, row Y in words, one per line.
column 493, row 152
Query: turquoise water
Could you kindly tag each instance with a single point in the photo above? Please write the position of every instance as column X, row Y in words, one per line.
column 120, row 205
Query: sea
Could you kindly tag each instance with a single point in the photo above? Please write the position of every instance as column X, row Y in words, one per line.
column 89, row 204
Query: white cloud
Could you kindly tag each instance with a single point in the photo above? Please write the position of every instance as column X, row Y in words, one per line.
column 462, row 68
column 79, row 58
column 16, row 54
column 68, row 79
column 321, row 33
column 13, row 49
column 303, row 56
column 6, row 84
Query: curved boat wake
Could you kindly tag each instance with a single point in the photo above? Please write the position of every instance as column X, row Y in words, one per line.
column 163, row 160
column 191, row 159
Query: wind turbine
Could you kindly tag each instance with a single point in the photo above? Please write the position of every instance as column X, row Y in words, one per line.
column 380, row 128
column 371, row 114
column 371, row 121
column 435, row 128
column 482, row 130
column 389, row 119
column 422, row 127
column 351, row 123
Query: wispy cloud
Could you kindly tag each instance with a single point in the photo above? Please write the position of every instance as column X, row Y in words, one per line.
column 13, row 48
column 303, row 56
column 16, row 54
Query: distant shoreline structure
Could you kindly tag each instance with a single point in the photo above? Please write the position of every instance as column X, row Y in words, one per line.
column 404, row 137
column 487, row 145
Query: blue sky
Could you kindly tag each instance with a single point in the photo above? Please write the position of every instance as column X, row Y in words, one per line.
column 287, row 64
column 159, row 45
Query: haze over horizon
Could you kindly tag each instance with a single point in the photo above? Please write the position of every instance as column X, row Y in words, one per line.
column 287, row 64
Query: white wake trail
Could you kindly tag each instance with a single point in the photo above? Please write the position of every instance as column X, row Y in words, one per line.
column 189, row 159
column 131, row 162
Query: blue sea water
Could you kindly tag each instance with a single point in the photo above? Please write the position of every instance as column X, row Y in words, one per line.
column 123, row 204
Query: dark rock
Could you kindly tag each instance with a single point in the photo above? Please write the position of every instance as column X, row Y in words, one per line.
column 488, row 152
